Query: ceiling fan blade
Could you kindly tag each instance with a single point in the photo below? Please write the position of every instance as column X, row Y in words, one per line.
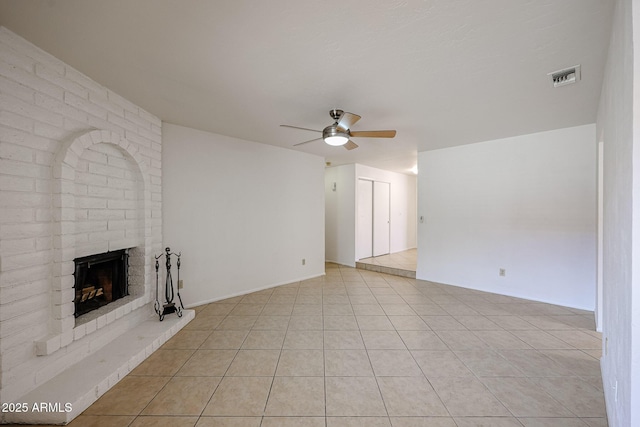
column 374, row 133
column 297, row 127
column 350, row 145
column 311, row 140
column 347, row 120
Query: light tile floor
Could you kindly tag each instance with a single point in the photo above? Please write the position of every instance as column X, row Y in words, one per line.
column 405, row 260
column 358, row 348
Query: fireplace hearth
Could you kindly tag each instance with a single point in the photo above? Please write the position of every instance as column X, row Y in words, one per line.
column 100, row 280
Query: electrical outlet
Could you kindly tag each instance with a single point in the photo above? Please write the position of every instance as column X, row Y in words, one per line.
column 180, row 284
column 304, row 261
column 503, row 272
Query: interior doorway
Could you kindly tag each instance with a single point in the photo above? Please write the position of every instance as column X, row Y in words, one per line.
column 373, row 214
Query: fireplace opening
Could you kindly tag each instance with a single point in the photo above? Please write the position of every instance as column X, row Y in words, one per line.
column 100, row 279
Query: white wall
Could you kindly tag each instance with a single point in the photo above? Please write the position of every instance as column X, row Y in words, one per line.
column 341, row 212
column 340, row 215
column 526, row 204
column 243, row 214
column 619, row 128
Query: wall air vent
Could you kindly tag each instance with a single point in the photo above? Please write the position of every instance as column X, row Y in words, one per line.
column 566, row 76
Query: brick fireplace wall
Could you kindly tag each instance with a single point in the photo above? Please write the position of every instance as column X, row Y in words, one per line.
column 80, row 173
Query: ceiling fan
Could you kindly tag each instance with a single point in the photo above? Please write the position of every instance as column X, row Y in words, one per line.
column 340, row 133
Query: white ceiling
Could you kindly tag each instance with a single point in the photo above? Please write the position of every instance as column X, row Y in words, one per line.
column 441, row 72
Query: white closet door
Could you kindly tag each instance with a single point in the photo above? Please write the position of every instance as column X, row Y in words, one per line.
column 381, row 216
column 365, row 219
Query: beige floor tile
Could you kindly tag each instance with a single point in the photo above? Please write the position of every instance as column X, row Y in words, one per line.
column 183, row 396
column 428, row 309
column 422, row 340
column 393, row 363
column 368, row 309
column 408, row 323
column 239, row 396
column 254, row 363
column 247, row 310
column 343, row 340
column 436, row 364
column 547, row 323
column 207, row 363
column 301, row 363
column 443, row 323
column 102, row 421
column 524, row 398
column 364, row 300
column 461, row 340
column 272, row 323
column 304, row 340
column 382, row 340
column 358, row 422
column 576, row 361
column 163, row 363
column 217, row 309
column 596, row 422
column 340, row 323
column 511, row 323
column 202, row 322
column 487, row 422
column 353, row 397
column 501, row 339
column 129, row 397
column 224, row 340
column 264, row 340
column 337, row 309
column 466, row 396
column 285, row 308
column 229, row 422
column 396, row 309
column 423, row 422
column 306, row 323
column 296, row 396
column 578, row 339
column 347, row 363
column 293, row 422
column 488, row 363
column 237, row 322
column 374, row 323
column 164, row 421
column 534, row 363
column 541, row 340
column 575, row 394
column 478, row 323
column 307, row 309
column 256, row 298
column 410, row 396
column 552, row 422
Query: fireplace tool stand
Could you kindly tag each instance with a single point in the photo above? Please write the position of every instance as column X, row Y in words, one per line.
column 169, row 306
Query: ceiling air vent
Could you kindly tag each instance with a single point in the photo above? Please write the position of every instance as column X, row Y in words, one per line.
column 566, row 76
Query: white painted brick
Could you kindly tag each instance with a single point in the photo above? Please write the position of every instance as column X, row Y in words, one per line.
column 36, row 112
column 13, row 215
column 57, row 109
column 102, row 101
column 57, row 78
column 91, row 202
column 15, row 89
column 16, row 183
column 66, row 338
column 106, row 170
column 16, row 152
column 111, row 193
column 28, row 80
column 48, row 345
column 101, row 322
column 24, row 321
column 94, row 88
column 79, row 332
column 17, row 246
column 82, row 104
column 91, row 326
column 31, row 273
column 16, row 121
column 21, row 231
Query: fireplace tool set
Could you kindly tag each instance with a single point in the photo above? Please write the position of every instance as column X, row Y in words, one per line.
column 169, row 306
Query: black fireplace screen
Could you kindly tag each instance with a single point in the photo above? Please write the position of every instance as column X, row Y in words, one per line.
column 100, row 279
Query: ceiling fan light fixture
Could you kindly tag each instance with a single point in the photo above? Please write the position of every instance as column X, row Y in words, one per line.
column 333, row 136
